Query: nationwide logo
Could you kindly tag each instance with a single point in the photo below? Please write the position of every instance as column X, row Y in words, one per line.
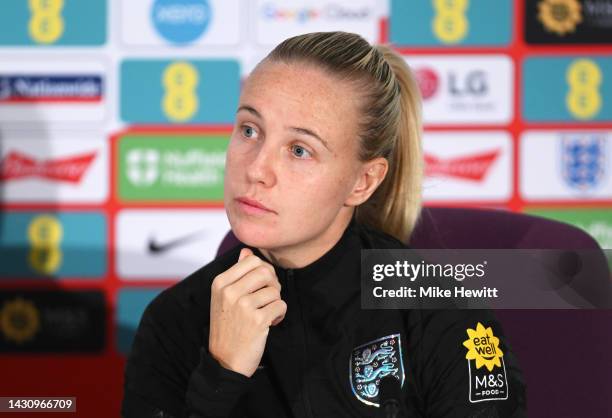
column 560, row 16
column 181, row 21
column 584, row 160
column 428, row 82
column 16, row 165
column 56, row 88
column 331, row 12
column 473, row 168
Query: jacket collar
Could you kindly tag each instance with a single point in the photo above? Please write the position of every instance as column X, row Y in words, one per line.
column 324, row 263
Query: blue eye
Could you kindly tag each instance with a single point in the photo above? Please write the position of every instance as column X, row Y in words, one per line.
column 248, row 131
column 300, row 152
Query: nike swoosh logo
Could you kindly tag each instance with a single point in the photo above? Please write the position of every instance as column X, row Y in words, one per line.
column 157, row 248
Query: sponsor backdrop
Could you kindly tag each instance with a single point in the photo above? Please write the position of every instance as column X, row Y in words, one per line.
column 115, row 117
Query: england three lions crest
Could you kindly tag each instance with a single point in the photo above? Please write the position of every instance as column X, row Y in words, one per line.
column 583, row 160
column 372, row 361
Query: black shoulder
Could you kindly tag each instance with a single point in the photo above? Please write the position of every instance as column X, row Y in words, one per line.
column 465, row 364
column 373, row 238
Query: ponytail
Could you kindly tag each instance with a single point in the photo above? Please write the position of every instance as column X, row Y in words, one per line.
column 395, row 206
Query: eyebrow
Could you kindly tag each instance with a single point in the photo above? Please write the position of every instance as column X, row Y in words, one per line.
column 303, row 131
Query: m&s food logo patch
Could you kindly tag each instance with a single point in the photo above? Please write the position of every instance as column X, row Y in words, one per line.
column 486, row 366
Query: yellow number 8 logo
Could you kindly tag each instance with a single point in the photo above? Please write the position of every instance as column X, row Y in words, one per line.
column 583, row 99
column 180, row 103
column 45, row 234
column 450, row 24
column 46, row 24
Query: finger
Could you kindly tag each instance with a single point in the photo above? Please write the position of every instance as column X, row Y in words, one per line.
column 260, row 298
column 235, row 272
column 256, row 279
column 275, row 311
column 277, row 320
column 244, row 253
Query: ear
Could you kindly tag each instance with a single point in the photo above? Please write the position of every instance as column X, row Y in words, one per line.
column 371, row 174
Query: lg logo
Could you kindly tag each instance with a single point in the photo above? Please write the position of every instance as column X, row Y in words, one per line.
column 473, row 83
column 428, row 82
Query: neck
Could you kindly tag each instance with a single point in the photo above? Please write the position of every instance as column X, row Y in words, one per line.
column 305, row 253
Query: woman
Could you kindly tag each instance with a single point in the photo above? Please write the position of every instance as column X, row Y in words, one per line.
column 324, row 161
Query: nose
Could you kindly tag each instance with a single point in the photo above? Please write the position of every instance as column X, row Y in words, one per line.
column 261, row 169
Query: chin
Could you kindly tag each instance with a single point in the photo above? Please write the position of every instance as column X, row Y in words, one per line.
column 254, row 235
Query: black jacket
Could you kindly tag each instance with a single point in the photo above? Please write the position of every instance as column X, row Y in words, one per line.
column 326, row 357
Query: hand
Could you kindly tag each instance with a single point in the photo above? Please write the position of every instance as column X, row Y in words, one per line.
column 245, row 302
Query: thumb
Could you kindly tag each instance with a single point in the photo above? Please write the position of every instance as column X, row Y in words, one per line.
column 245, row 252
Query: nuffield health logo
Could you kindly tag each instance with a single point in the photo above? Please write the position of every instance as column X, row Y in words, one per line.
column 142, row 166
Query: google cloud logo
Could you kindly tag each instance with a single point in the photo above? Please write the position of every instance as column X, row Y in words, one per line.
column 181, row 21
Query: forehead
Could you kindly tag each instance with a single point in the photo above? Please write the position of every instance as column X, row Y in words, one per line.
column 301, row 93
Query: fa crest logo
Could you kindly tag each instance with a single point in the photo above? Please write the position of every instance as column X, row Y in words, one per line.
column 583, row 160
column 372, row 361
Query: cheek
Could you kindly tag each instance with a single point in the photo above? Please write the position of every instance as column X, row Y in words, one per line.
column 233, row 162
column 318, row 187
column 231, row 178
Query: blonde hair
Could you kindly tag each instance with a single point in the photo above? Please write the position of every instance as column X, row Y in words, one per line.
column 390, row 119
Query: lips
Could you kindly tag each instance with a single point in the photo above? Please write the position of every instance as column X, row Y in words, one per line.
column 253, row 204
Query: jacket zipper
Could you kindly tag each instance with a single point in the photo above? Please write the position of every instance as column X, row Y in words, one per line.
column 303, row 343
